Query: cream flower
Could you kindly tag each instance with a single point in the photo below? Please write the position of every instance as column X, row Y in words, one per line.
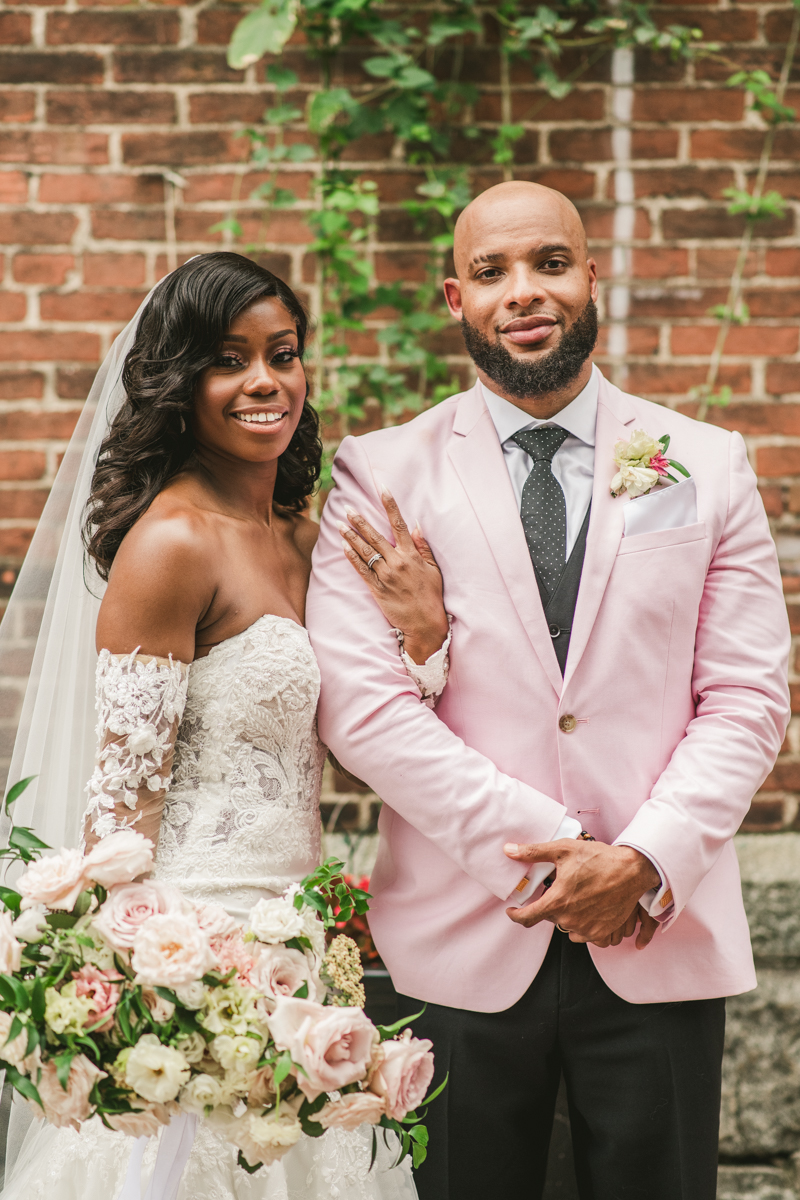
column 214, row 920
column 156, row 1072
column 332, row 1045
column 404, row 1075
column 10, row 948
column 171, row 949
column 66, row 1011
column 161, row 1010
column 72, row 1106
column 235, row 1053
column 352, row 1110
column 12, row 1052
column 275, row 921
column 201, row 1092
column 263, row 1139
column 262, row 1088
column 119, row 858
column 128, row 907
column 191, row 995
column 633, row 480
column 192, row 1047
column 55, row 881
column 30, row 924
column 639, row 448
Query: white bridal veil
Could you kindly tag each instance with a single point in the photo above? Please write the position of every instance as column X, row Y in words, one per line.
column 47, row 647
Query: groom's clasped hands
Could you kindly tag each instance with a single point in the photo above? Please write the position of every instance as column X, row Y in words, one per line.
column 595, row 892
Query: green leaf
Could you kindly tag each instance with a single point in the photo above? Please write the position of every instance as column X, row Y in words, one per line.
column 22, row 838
column 7, row 994
column 16, row 791
column 282, row 1067
column 326, row 106
column 245, row 1165
column 302, row 991
column 388, row 1031
column 678, row 467
column 37, row 1001
column 664, row 441
column 11, row 899
column 63, row 1064
column 264, row 31
column 61, row 920
column 166, row 994
column 282, row 77
column 23, row 1085
column 228, row 225
column 300, row 152
column 33, row 1038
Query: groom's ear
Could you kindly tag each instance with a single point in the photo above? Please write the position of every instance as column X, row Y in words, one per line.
column 452, row 294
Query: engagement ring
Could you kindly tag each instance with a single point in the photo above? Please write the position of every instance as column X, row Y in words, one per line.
column 373, row 560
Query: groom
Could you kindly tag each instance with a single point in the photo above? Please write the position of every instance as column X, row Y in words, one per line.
column 618, row 666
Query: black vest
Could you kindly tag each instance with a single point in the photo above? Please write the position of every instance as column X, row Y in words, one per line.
column 559, row 609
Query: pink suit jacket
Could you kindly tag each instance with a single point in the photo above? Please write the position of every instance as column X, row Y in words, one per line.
column 676, row 676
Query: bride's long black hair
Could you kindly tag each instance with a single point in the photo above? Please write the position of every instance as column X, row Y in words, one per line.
column 150, row 439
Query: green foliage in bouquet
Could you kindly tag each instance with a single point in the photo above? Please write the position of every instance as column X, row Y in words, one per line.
column 121, row 998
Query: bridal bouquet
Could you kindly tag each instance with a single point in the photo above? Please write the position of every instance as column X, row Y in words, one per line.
column 126, row 1000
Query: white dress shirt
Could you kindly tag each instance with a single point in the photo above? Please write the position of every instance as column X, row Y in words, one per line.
column 573, row 467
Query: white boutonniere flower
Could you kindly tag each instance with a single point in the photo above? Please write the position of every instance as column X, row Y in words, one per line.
column 642, row 464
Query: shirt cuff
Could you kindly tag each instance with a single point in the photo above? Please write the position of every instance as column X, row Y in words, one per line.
column 569, row 828
column 658, row 900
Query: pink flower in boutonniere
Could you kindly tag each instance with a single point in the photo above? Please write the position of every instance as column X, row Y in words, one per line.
column 642, row 464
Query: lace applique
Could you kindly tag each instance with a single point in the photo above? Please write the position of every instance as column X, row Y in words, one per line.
column 430, row 676
column 140, row 701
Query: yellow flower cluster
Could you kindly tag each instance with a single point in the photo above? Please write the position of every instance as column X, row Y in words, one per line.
column 65, row 1012
column 343, row 968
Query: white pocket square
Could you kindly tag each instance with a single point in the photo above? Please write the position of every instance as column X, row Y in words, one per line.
column 665, row 508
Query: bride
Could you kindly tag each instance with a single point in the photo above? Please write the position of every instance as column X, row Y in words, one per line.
column 206, row 684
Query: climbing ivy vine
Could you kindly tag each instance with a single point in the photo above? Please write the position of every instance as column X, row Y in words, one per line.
column 413, row 86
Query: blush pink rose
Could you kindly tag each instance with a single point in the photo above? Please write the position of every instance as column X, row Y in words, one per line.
column 119, row 858
column 404, row 1075
column 352, row 1110
column 101, row 988
column 214, row 920
column 143, row 1122
column 334, row 1046
column 281, row 972
column 10, row 948
column 72, row 1106
column 128, row 907
column 55, row 881
column 171, row 949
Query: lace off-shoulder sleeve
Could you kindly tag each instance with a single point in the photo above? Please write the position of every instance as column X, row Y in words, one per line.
column 430, row 676
column 140, row 702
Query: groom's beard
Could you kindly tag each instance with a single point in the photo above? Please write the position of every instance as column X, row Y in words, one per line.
column 551, row 372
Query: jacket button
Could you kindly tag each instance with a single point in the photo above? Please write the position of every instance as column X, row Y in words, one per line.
column 555, row 630
column 567, row 723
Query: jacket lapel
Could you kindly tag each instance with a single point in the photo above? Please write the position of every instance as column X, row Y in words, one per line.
column 477, row 457
column 615, row 415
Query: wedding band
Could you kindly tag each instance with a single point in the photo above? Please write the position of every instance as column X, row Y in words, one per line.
column 561, row 928
column 373, row 560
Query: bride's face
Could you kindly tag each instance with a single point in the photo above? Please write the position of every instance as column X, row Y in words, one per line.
column 248, row 403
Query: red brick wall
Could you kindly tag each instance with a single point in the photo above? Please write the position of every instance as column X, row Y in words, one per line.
column 97, row 99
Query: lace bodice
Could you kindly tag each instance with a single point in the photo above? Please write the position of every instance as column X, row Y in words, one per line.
column 241, row 817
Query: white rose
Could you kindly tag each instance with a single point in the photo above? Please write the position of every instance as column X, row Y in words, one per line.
column 171, row 949
column 314, row 930
column 30, row 924
column 238, row 1054
column 119, row 858
column 191, row 995
column 156, row 1072
column 275, row 921
column 639, row 448
column 200, row 1093
column 10, row 948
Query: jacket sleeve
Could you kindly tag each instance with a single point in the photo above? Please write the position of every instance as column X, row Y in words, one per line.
column 371, row 717
column 741, row 699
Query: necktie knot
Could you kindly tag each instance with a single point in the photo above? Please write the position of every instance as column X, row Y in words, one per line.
column 541, row 443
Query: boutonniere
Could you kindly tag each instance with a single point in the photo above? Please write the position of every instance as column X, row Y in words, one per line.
column 642, row 464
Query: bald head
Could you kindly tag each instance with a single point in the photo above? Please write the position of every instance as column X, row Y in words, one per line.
column 516, row 208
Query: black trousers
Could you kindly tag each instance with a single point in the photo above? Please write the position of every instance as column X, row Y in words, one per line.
column 643, row 1083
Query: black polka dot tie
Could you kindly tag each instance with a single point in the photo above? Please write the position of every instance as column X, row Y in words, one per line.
column 543, row 509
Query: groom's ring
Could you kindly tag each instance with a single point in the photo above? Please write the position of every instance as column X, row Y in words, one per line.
column 561, row 928
column 375, row 558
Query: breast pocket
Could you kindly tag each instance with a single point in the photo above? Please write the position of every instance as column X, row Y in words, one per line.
column 663, row 539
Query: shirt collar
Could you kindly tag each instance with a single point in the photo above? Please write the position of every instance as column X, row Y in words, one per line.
column 579, row 417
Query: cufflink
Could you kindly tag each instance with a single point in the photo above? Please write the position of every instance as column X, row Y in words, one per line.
column 523, row 883
column 666, row 899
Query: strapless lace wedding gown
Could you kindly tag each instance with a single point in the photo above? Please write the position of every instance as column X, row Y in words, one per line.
column 240, row 821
